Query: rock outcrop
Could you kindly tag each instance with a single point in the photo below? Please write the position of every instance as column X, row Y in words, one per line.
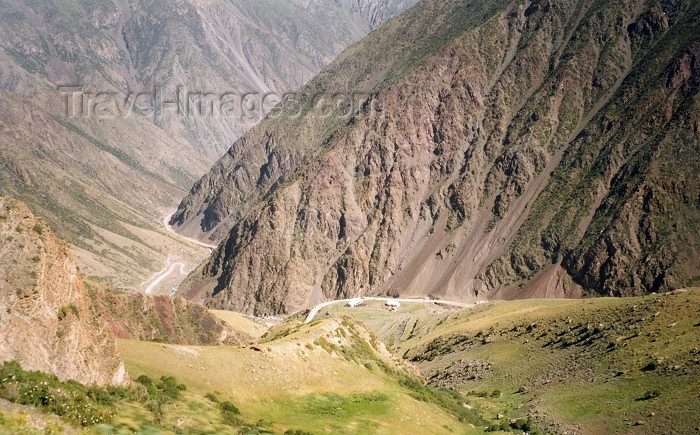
column 47, row 321
column 532, row 141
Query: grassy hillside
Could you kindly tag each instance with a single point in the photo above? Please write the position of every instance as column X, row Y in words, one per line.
column 593, row 366
column 327, row 376
column 241, row 322
column 541, row 366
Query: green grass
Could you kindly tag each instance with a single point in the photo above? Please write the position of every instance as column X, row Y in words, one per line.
column 576, row 362
column 604, row 364
column 158, row 406
column 74, row 402
column 341, row 384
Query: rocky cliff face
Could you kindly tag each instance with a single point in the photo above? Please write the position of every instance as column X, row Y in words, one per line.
column 47, row 321
column 530, row 148
column 376, row 12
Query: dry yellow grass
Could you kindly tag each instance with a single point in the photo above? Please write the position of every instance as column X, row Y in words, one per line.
column 294, row 384
column 241, row 322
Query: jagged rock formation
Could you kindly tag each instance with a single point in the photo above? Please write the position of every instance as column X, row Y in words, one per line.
column 47, row 321
column 104, row 177
column 377, row 12
column 136, row 316
column 549, row 143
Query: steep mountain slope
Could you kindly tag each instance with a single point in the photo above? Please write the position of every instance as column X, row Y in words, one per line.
column 207, row 47
column 554, row 144
column 48, row 322
column 105, row 201
column 104, row 177
column 265, row 157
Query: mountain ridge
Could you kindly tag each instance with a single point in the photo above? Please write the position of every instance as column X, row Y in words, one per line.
column 455, row 192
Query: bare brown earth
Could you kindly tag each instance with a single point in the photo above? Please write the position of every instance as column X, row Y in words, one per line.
column 552, row 282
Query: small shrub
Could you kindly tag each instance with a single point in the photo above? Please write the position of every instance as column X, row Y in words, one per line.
column 653, row 394
column 159, row 393
column 211, row 397
column 229, row 414
column 74, row 402
column 229, row 407
column 230, row 419
column 19, row 229
column 526, row 426
column 503, row 427
column 100, row 395
column 651, row 366
column 145, row 381
column 38, row 228
column 169, row 387
column 65, row 310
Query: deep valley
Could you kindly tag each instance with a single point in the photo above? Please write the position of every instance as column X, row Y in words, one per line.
column 349, row 216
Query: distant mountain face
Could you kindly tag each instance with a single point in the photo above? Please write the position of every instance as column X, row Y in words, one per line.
column 105, row 176
column 207, row 47
column 522, row 149
column 48, row 322
column 375, row 12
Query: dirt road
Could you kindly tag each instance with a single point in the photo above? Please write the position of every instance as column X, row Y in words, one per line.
column 314, row 311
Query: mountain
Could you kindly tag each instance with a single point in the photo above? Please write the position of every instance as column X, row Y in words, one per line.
column 84, row 139
column 48, row 322
column 207, row 47
column 515, row 150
